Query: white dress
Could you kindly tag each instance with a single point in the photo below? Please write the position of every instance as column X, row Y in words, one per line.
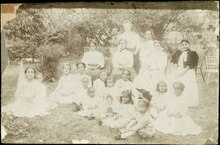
column 99, row 86
column 158, row 104
column 188, row 79
column 183, row 125
column 65, row 90
column 121, row 85
column 125, row 112
column 93, row 57
column 90, row 106
column 77, row 78
column 30, row 100
column 155, row 60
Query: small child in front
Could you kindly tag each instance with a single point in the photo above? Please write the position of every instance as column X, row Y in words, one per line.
column 90, row 104
column 141, row 123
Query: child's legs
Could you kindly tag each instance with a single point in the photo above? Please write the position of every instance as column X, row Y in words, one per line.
column 126, row 134
column 146, row 132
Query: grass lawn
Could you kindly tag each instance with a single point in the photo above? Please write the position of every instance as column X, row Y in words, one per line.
column 62, row 125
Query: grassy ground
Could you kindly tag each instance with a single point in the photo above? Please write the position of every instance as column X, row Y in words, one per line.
column 63, row 125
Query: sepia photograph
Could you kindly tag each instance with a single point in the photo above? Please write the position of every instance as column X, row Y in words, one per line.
column 110, row 72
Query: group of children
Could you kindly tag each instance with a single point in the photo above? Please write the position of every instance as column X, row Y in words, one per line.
column 121, row 105
column 117, row 104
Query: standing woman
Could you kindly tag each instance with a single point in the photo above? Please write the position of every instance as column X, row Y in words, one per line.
column 145, row 49
column 94, row 61
column 132, row 40
column 186, row 61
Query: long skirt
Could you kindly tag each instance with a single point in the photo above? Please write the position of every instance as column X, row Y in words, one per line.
column 176, row 126
column 191, row 88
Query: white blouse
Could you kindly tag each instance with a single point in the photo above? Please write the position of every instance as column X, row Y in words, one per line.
column 121, row 59
column 93, row 57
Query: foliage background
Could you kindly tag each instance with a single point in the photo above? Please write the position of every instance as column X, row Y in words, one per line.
column 54, row 33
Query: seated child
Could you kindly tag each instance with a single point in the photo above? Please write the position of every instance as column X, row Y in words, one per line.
column 108, row 108
column 175, row 120
column 110, row 89
column 159, row 99
column 64, row 92
column 125, row 84
column 90, row 104
column 141, row 123
column 99, row 84
column 125, row 111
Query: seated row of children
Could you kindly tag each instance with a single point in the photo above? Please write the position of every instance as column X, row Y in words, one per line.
column 120, row 105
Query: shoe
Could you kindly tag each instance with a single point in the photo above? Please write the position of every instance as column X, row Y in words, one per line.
column 118, row 137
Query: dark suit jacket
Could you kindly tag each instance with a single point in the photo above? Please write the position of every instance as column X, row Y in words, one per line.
column 192, row 58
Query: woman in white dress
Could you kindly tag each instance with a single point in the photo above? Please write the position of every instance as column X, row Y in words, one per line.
column 94, row 61
column 186, row 61
column 122, row 59
column 175, row 119
column 153, row 69
column 65, row 90
column 30, row 96
column 77, row 78
column 132, row 40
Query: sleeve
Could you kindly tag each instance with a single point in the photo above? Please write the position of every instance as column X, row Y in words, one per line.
column 192, row 60
column 162, row 64
column 85, row 59
column 101, row 60
column 59, row 85
column 175, row 57
column 130, row 60
column 115, row 61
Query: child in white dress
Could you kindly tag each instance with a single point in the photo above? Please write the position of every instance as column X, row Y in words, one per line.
column 90, row 104
column 124, row 111
column 175, row 120
column 99, row 84
column 141, row 123
column 125, row 84
column 110, row 89
column 30, row 96
column 159, row 99
column 64, row 92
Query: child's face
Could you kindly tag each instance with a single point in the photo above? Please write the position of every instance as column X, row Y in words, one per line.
column 109, row 83
column 125, row 98
column 39, row 77
column 30, row 74
column 178, row 91
column 109, row 100
column 125, row 75
column 162, row 87
column 66, row 69
column 142, row 108
column 103, row 76
column 81, row 68
column 85, row 83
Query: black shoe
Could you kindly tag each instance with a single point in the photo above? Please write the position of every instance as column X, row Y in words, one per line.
column 100, row 122
column 118, row 137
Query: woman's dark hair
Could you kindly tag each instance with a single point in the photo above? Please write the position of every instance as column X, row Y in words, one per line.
column 29, row 67
column 157, row 87
column 146, row 94
column 77, row 64
column 129, row 94
column 184, row 40
column 67, row 64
